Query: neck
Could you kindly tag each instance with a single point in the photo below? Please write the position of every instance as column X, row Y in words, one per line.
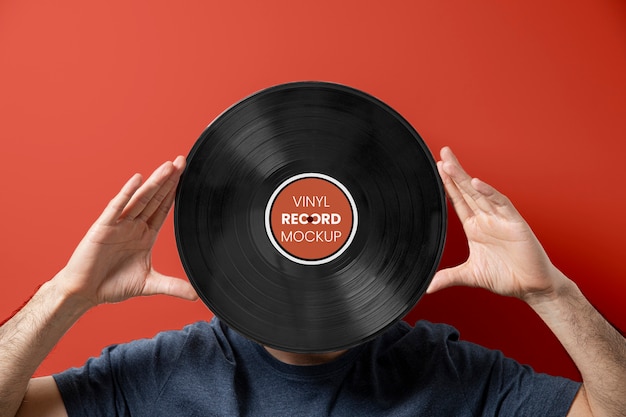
column 304, row 359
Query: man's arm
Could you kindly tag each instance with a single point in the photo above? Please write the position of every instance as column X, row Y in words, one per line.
column 598, row 350
column 507, row 259
column 112, row 263
column 27, row 338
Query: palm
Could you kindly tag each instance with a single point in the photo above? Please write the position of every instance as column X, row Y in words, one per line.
column 113, row 261
column 118, row 260
column 505, row 256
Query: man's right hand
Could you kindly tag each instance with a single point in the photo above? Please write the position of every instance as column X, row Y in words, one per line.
column 113, row 261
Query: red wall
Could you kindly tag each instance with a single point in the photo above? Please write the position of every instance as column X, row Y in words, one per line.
column 531, row 96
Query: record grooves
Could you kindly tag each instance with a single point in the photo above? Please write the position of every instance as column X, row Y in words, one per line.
column 310, row 217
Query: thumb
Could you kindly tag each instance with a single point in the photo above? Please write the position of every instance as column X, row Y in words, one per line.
column 446, row 278
column 157, row 283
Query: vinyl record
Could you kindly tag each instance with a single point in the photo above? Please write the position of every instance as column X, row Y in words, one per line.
column 310, row 217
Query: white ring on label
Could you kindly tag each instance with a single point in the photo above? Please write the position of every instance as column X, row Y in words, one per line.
column 268, row 224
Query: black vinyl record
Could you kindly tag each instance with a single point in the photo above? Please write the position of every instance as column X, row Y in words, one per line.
column 310, row 217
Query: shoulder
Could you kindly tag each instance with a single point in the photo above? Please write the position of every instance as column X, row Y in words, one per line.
column 432, row 358
column 200, row 330
column 418, row 351
column 167, row 348
column 141, row 368
column 206, row 331
column 423, row 336
column 167, row 340
column 433, row 332
column 438, row 350
column 199, row 338
column 433, row 345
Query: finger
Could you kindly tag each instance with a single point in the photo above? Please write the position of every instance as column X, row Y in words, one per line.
column 149, row 197
column 463, row 210
column 463, row 181
column 162, row 209
column 157, row 283
column 448, row 277
column 116, row 206
column 160, row 214
column 156, row 210
column 498, row 200
column 146, row 192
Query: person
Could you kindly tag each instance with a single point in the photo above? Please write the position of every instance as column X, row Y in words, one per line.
column 207, row 369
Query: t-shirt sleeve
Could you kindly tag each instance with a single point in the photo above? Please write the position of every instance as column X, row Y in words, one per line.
column 493, row 384
column 122, row 378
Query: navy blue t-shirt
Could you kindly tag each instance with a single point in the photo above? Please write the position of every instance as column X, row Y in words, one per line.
column 207, row 369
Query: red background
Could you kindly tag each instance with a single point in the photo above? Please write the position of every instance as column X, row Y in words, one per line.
column 531, row 95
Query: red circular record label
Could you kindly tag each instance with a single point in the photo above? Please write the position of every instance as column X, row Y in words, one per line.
column 311, row 219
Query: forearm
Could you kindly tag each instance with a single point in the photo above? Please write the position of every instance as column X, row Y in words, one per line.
column 597, row 349
column 27, row 338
